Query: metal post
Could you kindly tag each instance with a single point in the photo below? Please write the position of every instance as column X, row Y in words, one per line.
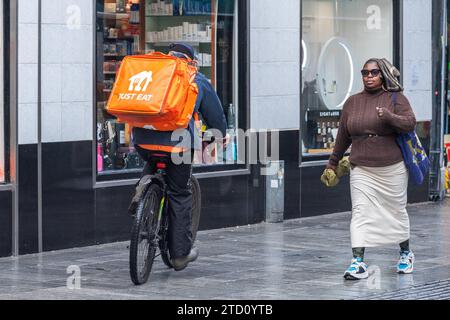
column 439, row 45
column 13, row 126
column 39, row 133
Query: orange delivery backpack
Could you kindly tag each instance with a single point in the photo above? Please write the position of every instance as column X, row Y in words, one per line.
column 154, row 91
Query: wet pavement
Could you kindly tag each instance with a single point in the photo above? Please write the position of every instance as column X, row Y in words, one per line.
column 297, row 260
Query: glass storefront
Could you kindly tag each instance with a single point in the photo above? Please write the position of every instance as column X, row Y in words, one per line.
column 142, row 26
column 338, row 36
column 2, row 118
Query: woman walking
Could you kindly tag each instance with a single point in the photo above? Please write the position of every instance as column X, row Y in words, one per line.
column 379, row 179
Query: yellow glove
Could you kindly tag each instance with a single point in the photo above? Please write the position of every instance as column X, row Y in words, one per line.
column 343, row 168
column 329, row 178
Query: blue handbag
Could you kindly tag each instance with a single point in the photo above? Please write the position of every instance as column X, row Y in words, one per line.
column 414, row 155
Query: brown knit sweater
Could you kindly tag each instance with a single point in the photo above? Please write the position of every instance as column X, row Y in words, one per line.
column 360, row 118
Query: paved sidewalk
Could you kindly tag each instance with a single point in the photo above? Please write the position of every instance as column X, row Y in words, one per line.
column 299, row 259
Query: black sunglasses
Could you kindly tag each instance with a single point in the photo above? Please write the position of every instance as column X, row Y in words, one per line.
column 374, row 72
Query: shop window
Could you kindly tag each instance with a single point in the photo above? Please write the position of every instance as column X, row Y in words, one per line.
column 338, row 37
column 144, row 26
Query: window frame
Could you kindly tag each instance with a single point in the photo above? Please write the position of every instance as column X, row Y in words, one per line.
column 397, row 29
column 5, row 130
column 9, row 78
column 242, row 76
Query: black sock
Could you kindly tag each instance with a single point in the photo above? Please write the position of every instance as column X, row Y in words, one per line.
column 404, row 246
column 358, row 253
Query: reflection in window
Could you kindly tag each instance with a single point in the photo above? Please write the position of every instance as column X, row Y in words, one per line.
column 338, row 37
column 141, row 26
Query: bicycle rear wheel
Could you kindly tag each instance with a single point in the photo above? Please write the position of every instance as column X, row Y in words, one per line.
column 144, row 235
column 196, row 211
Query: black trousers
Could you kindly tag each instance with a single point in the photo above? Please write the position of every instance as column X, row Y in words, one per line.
column 178, row 179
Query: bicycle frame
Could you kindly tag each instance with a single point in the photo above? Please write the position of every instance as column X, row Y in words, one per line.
column 156, row 234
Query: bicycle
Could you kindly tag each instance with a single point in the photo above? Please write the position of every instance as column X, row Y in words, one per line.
column 151, row 222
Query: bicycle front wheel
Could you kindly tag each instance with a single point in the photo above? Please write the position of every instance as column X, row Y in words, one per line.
column 144, row 235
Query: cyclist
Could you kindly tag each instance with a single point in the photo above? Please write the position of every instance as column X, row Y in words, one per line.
column 150, row 142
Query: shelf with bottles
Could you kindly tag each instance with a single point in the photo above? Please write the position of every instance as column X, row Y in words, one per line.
column 323, row 127
column 124, row 38
column 117, row 49
column 184, row 17
column 213, row 153
column 120, row 9
column 165, row 43
column 111, row 67
column 194, row 34
column 115, row 150
column 179, row 7
column 113, row 15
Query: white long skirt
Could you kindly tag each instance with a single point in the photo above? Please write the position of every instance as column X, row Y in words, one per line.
column 379, row 198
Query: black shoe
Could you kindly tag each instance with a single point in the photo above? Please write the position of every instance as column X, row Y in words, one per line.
column 180, row 264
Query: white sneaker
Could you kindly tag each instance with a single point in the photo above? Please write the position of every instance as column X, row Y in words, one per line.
column 406, row 263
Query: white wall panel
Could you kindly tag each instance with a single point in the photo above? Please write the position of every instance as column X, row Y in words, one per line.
column 67, row 42
column 266, row 111
column 28, row 125
column 52, row 121
column 27, row 71
column 275, row 56
column 417, row 56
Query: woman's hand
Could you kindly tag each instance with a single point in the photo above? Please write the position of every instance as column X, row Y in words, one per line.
column 383, row 113
column 329, row 178
column 343, row 168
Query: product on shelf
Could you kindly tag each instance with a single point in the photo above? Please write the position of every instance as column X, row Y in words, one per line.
column 179, row 8
column 323, row 128
column 111, row 66
column 196, row 32
column 135, row 13
column 162, row 8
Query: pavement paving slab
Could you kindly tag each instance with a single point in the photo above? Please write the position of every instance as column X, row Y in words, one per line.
column 301, row 259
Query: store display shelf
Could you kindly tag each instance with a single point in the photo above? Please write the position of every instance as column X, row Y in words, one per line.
column 208, row 15
column 121, row 38
column 320, row 151
column 114, row 55
column 165, row 43
column 113, row 15
column 110, row 72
